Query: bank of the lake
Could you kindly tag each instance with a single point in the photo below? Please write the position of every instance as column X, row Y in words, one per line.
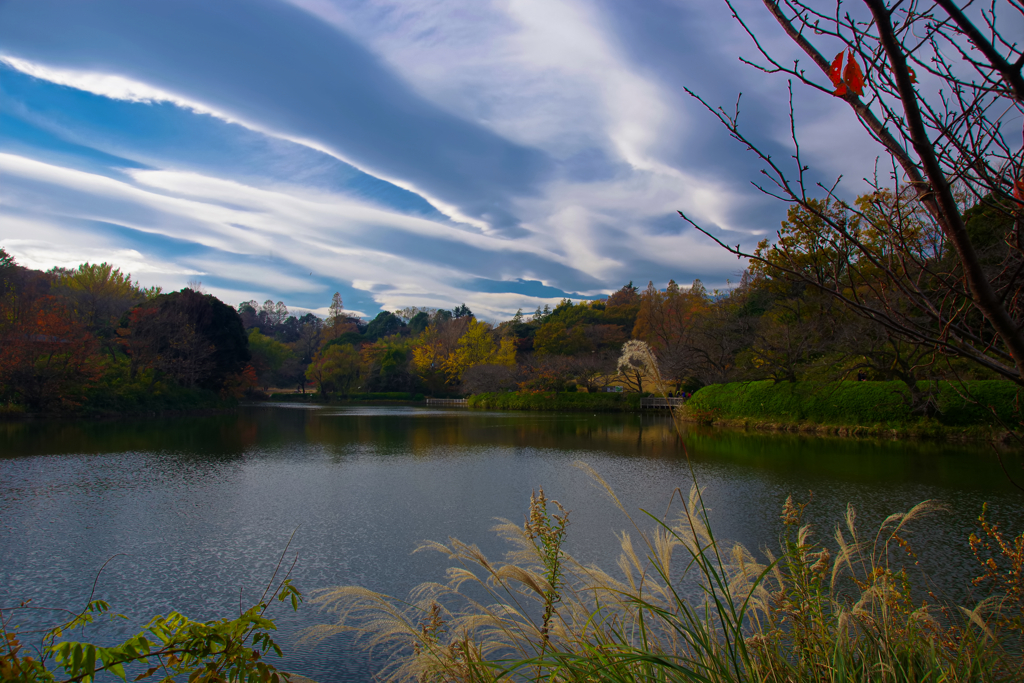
column 967, row 410
column 561, row 401
column 134, row 401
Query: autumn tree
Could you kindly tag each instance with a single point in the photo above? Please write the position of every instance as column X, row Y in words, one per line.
column 98, row 294
column 437, row 343
column 666, row 322
column 553, row 337
column 334, row 369
column 338, row 321
column 47, row 357
column 937, row 87
column 477, row 347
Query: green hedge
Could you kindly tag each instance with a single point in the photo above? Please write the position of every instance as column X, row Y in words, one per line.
column 855, row 403
column 567, row 401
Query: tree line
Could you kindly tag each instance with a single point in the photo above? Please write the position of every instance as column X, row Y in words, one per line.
column 74, row 333
column 92, row 337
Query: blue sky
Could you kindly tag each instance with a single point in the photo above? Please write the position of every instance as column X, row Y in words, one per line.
column 402, row 152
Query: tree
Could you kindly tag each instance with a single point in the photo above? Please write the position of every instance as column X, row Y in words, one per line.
column 272, row 315
column 936, row 93
column 384, row 325
column 418, row 322
column 334, row 369
column 268, row 357
column 476, row 347
column 98, row 295
column 666, row 322
column 462, row 312
column 594, row 370
column 248, row 311
column 487, row 378
column 637, row 364
column 310, row 334
column 195, row 338
column 435, row 345
column 47, row 357
column 338, row 321
column 553, row 337
column 386, row 364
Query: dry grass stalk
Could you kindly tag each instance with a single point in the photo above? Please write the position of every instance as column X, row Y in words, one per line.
column 681, row 606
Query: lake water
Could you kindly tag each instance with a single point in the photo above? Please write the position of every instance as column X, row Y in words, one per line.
column 189, row 511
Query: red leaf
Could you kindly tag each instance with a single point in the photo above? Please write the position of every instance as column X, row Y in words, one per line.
column 913, row 76
column 841, row 90
column 853, row 76
column 837, row 68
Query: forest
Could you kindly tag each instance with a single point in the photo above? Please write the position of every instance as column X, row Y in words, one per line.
column 91, row 339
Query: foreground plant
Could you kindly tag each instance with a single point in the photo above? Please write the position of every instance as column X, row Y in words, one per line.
column 682, row 606
column 173, row 647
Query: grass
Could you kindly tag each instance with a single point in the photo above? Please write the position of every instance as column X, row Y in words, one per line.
column 682, row 606
column 878, row 404
column 557, row 401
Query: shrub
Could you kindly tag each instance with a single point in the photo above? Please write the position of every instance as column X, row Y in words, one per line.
column 561, row 401
column 859, row 403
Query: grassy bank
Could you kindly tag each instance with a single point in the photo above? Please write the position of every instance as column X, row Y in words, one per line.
column 973, row 408
column 567, row 401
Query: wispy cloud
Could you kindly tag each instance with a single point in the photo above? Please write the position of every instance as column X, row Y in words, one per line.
column 394, row 149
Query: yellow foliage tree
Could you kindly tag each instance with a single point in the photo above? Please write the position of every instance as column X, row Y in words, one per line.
column 476, row 347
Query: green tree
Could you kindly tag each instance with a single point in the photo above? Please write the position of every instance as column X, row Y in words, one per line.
column 268, row 357
column 384, row 325
column 334, row 369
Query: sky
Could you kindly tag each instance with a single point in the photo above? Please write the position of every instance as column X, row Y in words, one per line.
column 505, row 154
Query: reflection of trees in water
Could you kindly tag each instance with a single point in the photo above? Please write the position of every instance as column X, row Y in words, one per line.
column 222, row 436
column 877, row 461
column 650, row 436
column 227, row 437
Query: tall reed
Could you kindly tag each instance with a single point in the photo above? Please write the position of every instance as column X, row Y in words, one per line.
column 684, row 606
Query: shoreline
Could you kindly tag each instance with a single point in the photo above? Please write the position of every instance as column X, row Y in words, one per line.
column 925, row 432
column 106, row 416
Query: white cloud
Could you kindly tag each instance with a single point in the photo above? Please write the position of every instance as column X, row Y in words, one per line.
column 108, row 85
column 43, row 255
column 118, row 87
column 327, row 235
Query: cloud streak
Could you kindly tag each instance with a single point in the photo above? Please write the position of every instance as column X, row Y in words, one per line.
column 400, row 151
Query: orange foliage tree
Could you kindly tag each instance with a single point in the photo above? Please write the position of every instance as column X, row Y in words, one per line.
column 666, row 322
column 48, row 360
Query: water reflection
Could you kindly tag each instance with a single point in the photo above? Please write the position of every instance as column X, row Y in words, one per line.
column 200, row 507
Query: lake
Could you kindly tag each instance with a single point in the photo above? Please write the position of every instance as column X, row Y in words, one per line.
column 188, row 512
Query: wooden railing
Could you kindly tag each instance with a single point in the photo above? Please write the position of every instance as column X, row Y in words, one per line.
column 447, row 402
column 661, row 402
